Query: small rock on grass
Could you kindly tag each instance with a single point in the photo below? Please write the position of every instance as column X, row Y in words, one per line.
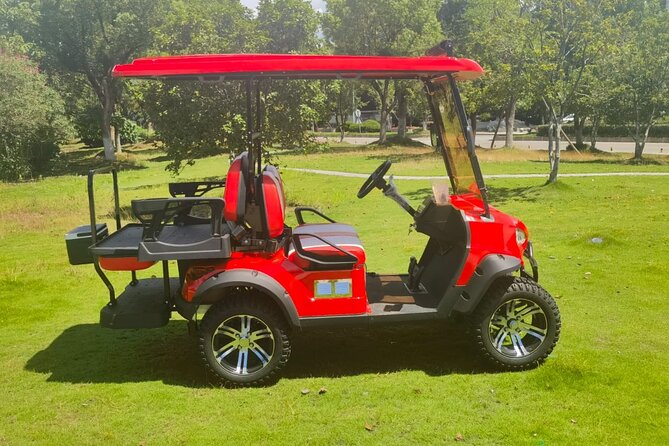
column 459, row 437
column 369, row 427
column 305, row 391
column 322, row 391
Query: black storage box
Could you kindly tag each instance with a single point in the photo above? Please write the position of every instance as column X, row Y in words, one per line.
column 78, row 241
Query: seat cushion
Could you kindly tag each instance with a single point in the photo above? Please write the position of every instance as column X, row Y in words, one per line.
column 340, row 235
column 326, row 229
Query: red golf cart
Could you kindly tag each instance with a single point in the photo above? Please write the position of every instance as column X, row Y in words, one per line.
column 257, row 280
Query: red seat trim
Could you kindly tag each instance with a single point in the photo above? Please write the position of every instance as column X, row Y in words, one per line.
column 235, row 190
column 273, row 203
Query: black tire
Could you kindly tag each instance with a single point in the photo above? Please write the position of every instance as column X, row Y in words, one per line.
column 516, row 325
column 252, row 344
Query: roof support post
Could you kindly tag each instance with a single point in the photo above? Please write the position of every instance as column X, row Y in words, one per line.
column 249, row 132
column 259, row 124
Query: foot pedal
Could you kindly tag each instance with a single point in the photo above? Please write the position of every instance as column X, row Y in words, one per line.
column 415, row 272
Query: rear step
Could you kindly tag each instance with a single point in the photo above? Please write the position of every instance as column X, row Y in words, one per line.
column 140, row 306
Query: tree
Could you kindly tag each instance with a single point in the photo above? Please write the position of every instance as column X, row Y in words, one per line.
column 33, row 121
column 341, row 98
column 89, row 37
column 18, row 19
column 385, row 28
column 288, row 26
column 194, row 119
column 639, row 73
column 494, row 33
column 290, row 108
column 567, row 39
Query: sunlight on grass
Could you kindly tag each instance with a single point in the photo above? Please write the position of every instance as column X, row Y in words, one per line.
column 66, row 379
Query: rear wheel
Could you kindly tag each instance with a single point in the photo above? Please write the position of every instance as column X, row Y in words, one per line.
column 517, row 324
column 244, row 341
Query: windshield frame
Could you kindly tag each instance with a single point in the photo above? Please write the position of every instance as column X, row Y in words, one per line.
column 447, row 84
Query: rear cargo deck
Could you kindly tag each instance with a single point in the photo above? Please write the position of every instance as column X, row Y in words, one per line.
column 174, row 242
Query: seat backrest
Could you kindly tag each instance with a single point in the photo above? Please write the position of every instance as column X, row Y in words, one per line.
column 272, row 201
column 235, row 189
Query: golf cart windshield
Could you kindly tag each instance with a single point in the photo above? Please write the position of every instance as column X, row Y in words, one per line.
column 452, row 140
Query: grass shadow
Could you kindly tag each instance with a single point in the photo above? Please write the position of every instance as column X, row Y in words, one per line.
column 159, row 158
column 79, row 162
column 396, row 141
column 502, row 195
column 496, row 194
column 88, row 353
column 402, row 157
column 433, row 348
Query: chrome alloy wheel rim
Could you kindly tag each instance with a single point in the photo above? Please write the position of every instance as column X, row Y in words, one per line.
column 517, row 328
column 243, row 344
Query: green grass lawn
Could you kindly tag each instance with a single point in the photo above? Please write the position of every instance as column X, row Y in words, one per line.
column 66, row 380
column 423, row 161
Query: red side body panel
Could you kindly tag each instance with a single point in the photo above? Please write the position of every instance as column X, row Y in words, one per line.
column 494, row 236
column 298, row 283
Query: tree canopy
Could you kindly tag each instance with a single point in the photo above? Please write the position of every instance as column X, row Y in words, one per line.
column 603, row 61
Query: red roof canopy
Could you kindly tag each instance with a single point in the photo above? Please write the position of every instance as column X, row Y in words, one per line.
column 213, row 67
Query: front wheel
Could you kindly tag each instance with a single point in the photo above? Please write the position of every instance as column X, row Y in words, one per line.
column 244, row 341
column 517, row 324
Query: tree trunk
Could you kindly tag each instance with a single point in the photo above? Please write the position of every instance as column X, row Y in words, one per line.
column 554, row 150
column 382, row 91
column 578, row 130
column 494, row 136
column 384, row 124
column 107, row 111
column 510, row 120
column 593, row 133
column 341, row 120
column 473, row 117
column 640, row 143
column 383, row 96
column 402, row 111
column 117, row 139
column 107, row 137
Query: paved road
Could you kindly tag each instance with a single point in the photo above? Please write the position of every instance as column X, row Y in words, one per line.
column 335, row 173
column 484, row 140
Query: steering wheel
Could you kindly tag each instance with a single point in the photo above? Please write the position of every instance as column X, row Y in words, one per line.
column 375, row 179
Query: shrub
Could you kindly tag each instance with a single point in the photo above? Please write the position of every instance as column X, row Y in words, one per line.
column 368, row 126
column 33, row 121
column 88, row 125
column 616, row 131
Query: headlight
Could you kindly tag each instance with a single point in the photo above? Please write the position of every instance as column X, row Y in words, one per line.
column 521, row 237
